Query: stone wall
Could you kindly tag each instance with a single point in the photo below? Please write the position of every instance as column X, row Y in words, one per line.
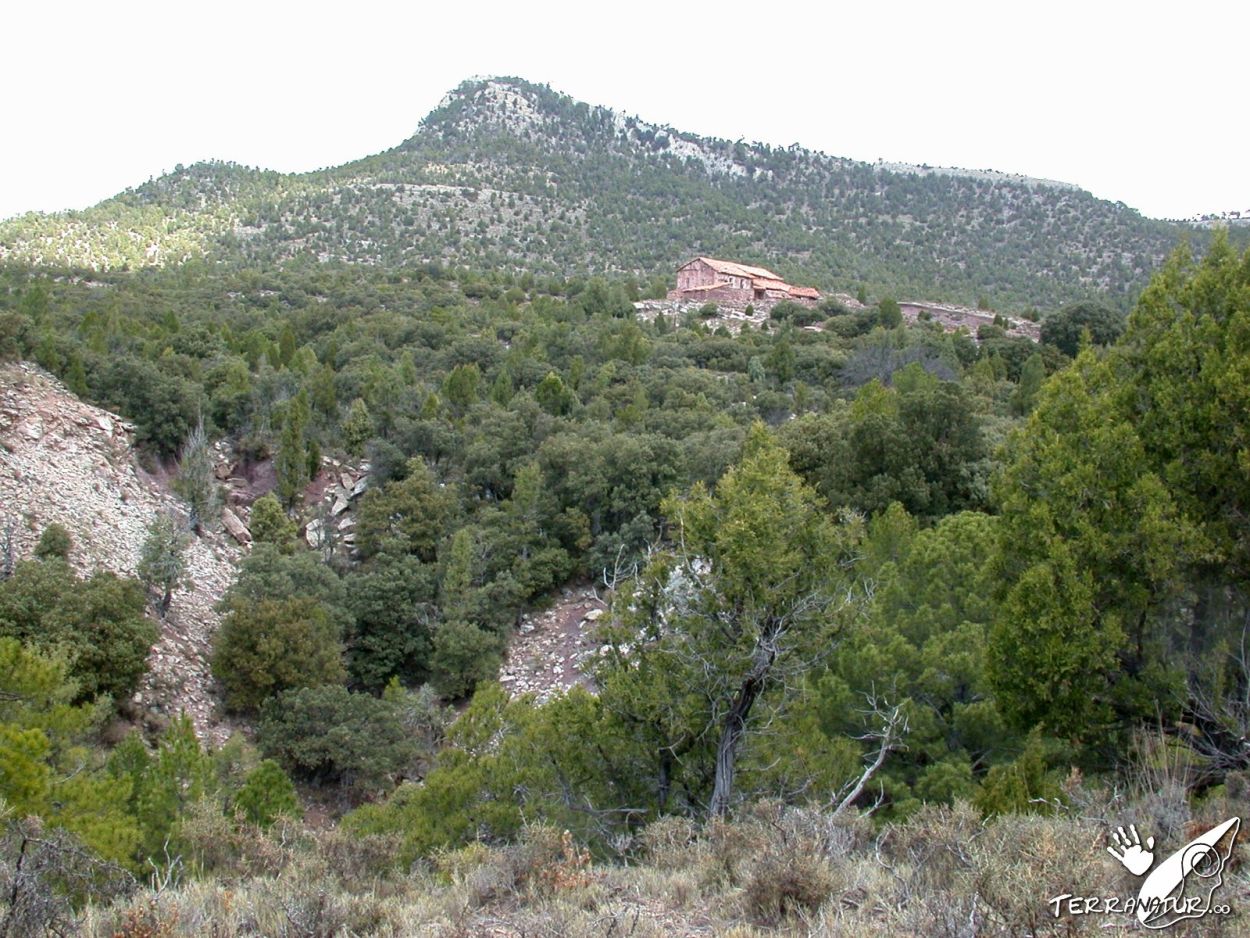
column 730, row 296
column 952, row 318
column 695, row 274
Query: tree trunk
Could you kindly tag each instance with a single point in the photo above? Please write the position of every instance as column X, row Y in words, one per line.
column 734, row 727
column 666, row 776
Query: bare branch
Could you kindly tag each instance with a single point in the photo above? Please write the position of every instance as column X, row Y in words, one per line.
column 893, row 727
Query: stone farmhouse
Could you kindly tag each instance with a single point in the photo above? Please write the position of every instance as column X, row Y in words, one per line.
column 706, row 279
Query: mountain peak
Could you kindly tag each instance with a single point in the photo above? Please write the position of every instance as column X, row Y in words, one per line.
column 501, row 103
column 516, row 108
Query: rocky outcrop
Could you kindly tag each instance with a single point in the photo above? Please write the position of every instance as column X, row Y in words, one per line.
column 330, row 502
column 731, row 316
column 953, row 318
column 67, row 462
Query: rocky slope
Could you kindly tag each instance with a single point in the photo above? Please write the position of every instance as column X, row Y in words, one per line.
column 553, row 649
column 67, row 462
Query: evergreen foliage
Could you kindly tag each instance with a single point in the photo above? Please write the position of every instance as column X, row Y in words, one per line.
column 162, row 560
column 816, row 534
column 196, row 482
column 265, row 647
column 329, row 734
column 55, row 543
column 1116, row 538
column 97, row 623
column 267, row 794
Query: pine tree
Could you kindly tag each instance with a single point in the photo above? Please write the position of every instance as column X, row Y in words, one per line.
column 720, row 626
column 357, row 428
column 1032, row 374
column 269, row 524
column 266, row 795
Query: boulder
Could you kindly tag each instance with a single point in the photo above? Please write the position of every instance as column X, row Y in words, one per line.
column 234, row 527
column 312, row 533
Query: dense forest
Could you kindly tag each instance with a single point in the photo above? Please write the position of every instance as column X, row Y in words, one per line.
column 508, row 175
column 868, row 580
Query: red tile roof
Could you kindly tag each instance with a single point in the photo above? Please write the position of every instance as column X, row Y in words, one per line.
column 735, row 269
column 766, row 283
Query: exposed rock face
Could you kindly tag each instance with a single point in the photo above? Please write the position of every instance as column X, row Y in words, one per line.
column 332, row 499
column 732, row 316
column 67, row 462
column 952, row 317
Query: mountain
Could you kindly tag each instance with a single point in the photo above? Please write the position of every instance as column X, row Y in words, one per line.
column 505, row 173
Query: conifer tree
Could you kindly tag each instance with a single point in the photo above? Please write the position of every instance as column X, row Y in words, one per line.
column 162, row 560
column 196, row 482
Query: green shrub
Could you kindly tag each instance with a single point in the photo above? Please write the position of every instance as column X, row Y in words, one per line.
column 54, row 543
column 408, row 516
column 786, row 309
column 330, row 735
column 1022, row 786
column 267, row 794
column 1064, row 329
column 266, row 647
column 889, row 314
column 392, row 602
column 269, row 572
column 464, row 655
column 270, row 525
column 98, row 623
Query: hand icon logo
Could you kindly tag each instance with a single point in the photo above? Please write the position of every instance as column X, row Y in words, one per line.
column 1132, row 854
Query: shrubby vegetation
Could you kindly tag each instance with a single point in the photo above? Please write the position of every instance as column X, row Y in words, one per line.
column 772, row 870
column 96, row 626
column 956, row 582
column 329, row 734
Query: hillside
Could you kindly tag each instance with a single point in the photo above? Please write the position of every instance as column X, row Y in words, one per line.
column 509, row 174
column 570, row 611
column 69, row 463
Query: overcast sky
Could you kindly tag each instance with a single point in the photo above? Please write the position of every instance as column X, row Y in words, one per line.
column 1141, row 103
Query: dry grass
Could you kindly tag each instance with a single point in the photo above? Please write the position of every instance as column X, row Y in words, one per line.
column 772, row 871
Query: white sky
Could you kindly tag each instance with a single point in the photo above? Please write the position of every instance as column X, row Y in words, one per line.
column 1141, row 102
